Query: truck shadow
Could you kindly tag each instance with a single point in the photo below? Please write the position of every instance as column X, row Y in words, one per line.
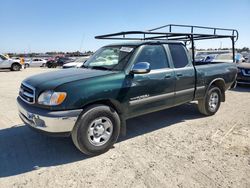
column 242, row 88
column 22, row 150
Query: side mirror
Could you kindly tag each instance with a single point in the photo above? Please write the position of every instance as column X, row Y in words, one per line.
column 140, row 68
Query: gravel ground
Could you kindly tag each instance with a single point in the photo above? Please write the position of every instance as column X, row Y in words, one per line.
column 177, row 147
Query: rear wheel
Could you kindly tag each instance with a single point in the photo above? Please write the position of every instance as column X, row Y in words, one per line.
column 211, row 103
column 49, row 65
column 96, row 130
column 15, row 67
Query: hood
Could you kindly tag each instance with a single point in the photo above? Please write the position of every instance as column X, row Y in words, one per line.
column 244, row 65
column 51, row 80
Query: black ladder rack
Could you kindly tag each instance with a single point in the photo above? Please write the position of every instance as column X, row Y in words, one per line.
column 154, row 34
column 169, row 34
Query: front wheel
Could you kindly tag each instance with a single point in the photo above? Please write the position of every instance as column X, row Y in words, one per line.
column 211, row 102
column 49, row 65
column 15, row 67
column 96, row 130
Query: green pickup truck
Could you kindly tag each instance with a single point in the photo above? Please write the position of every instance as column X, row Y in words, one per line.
column 118, row 82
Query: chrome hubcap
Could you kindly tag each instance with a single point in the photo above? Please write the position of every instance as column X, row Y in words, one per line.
column 213, row 101
column 15, row 67
column 100, row 131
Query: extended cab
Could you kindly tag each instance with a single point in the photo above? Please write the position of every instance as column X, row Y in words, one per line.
column 118, row 82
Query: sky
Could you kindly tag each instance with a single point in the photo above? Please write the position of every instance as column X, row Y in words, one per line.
column 63, row 25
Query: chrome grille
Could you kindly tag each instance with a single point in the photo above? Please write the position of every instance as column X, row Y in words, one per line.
column 27, row 93
column 247, row 71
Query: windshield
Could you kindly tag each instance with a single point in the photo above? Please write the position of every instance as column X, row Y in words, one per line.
column 3, row 57
column 110, row 58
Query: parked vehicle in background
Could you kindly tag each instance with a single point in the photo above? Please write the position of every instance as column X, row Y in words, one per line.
column 200, row 56
column 215, row 56
column 27, row 62
column 247, row 58
column 58, row 61
column 76, row 63
column 36, row 62
column 62, row 60
column 243, row 76
column 7, row 63
column 17, row 59
column 228, row 57
column 122, row 81
column 239, row 58
column 51, row 62
column 205, row 58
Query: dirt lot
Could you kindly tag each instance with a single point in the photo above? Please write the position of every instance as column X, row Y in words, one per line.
column 177, row 147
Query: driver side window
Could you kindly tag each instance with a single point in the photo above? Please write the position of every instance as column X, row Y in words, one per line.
column 154, row 55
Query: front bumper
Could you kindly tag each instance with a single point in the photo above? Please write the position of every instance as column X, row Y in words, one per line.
column 243, row 77
column 46, row 120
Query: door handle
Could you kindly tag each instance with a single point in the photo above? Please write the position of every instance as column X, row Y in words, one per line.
column 179, row 75
column 167, row 76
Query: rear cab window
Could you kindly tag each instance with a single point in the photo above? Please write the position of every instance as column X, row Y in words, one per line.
column 179, row 55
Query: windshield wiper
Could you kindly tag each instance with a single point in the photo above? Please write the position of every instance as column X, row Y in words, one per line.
column 100, row 68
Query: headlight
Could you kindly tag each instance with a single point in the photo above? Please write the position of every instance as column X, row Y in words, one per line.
column 51, row 98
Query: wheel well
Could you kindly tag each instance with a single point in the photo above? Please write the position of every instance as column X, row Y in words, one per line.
column 221, row 85
column 116, row 106
column 107, row 102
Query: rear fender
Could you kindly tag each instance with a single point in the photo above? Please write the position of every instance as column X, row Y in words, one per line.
column 220, row 83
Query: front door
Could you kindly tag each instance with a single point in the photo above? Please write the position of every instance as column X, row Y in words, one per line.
column 154, row 90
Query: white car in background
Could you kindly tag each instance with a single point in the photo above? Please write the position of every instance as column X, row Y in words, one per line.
column 228, row 57
column 77, row 63
column 17, row 59
column 7, row 63
column 36, row 62
column 26, row 61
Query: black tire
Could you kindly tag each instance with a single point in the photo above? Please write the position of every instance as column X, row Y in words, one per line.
column 49, row 65
column 16, row 67
column 43, row 65
column 81, row 132
column 204, row 106
column 26, row 65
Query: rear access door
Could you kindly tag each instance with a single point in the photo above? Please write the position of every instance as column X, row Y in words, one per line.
column 184, row 73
